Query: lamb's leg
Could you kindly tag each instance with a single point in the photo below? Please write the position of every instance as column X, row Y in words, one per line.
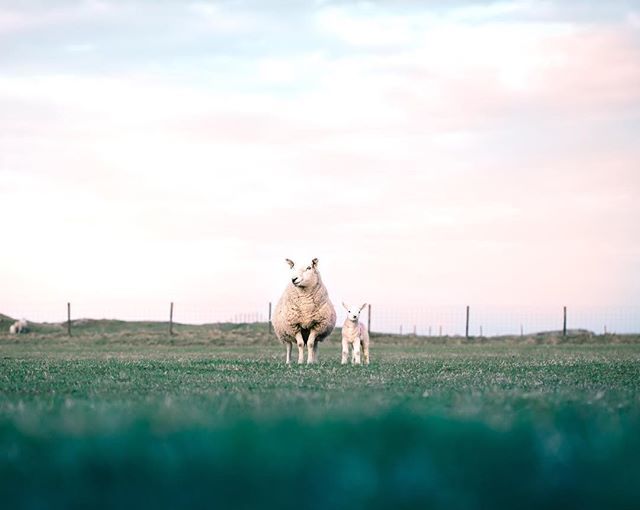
column 345, row 351
column 300, row 342
column 288, row 346
column 311, row 347
column 365, row 348
column 356, row 352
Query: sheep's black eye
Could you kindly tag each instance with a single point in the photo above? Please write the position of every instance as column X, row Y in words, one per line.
column 308, row 268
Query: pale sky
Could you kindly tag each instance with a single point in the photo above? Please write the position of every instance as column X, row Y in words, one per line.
column 428, row 153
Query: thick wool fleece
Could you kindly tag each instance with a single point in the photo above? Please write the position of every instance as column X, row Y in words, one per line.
column 301, row 309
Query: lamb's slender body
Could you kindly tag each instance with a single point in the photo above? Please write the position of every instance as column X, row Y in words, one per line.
column 304, row 314
column 355, row 337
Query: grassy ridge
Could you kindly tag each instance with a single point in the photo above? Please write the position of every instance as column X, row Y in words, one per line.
column 444, row 426
column 119, row 333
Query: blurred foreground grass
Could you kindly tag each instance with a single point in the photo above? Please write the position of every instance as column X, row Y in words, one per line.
column 85, row 423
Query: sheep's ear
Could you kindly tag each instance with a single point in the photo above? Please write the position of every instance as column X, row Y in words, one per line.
column 290, row 262
column 314, row 263
column 345, row 306
column 362, row 307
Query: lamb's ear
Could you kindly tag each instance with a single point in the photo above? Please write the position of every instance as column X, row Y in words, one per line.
column 314, row 263
column 345, row 306
column 362, row 307
column 290, row 262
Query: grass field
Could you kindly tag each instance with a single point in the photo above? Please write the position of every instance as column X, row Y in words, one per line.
column 116, row 417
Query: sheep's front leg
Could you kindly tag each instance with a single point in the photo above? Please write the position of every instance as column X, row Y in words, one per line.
column 311, row 347
column 288, row 347
column 356, row 352
column 300, row 342
column 345, row 351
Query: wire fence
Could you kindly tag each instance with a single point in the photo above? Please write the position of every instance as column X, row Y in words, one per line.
column 498, row 321
column 463, row 320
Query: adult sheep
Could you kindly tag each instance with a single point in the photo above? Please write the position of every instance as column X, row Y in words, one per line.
column 20, row 326
column 304, row 314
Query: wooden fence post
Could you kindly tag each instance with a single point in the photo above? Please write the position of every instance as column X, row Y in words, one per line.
column 69, row 319
column 369, row 319
column 564, row 322
column 269, row 317
column 171, row 319
column 466, row 329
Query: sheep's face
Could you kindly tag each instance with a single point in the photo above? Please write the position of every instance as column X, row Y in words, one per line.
column 303, row 275
column 353, row 314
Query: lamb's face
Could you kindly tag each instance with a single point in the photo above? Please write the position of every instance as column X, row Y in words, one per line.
column 353, row 314
column 303, row 275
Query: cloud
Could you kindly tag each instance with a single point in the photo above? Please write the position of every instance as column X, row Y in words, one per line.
column 11, row 21
column 80, row 48
column 483, row 11
column 224, row 20
column 363, row 29
column 27, row 17
column 487, row 152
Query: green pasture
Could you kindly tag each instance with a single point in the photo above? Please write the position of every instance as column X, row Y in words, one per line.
column 122, row 416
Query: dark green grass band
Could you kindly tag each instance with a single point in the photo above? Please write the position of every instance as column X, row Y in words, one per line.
column 433, row 427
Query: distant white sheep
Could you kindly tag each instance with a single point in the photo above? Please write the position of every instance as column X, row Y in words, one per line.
column 20, row 326
column 304, row 314
column 354, row 336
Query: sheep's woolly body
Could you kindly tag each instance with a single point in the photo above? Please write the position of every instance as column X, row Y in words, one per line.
column 353, row 332
column 301, row 311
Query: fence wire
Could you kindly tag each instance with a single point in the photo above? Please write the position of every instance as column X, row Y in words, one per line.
column 421, row 321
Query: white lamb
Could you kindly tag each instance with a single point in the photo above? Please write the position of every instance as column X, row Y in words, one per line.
column 304, row 314
column 13, row 329
column 354, row 335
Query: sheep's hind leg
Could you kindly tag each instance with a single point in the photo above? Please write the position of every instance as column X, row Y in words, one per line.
column 300, row 342
column 312, row 347
column 288, row 347
column 365, row 347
